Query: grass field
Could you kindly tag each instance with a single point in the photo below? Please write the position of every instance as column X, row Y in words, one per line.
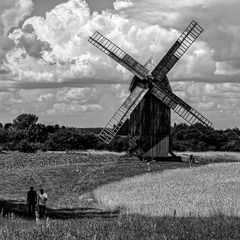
column 68, row 185
column 212, row 157
column 75, row 207
column 123, row 227
column 202, row 191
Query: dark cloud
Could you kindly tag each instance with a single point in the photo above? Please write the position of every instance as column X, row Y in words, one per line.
column 72, row 83
column 33, row 46
column 3, row 71
column 28, row 28
column 216, row 79
column 6, row 45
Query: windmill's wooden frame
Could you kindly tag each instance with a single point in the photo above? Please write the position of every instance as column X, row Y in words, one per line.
column 150, row 125
column 148, row 106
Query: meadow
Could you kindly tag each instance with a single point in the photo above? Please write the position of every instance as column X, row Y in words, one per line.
column 82, row 202
column 202, row 191
column 212, row 157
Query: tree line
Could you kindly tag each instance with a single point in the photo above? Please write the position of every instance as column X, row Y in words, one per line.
column 27, row 135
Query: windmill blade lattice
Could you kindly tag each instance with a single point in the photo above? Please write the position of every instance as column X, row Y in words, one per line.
column 113, row 51
column 182, row 44
column 122, row 114
column 178, row 105
column 150, row 132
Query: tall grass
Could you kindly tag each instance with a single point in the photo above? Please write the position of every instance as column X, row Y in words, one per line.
column 123, row 227
column 201, row 191
column 211, row 156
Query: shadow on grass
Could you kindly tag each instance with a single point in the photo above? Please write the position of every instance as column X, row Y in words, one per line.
column 20, row 209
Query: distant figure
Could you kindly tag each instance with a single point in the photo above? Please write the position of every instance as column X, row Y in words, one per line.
column 31, row 201
column 191, row 159
column 42, row 202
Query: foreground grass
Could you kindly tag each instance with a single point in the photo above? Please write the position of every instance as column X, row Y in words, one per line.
column 200, row 191
column 124, row 227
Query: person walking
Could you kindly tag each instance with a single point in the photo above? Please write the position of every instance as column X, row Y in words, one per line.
column 42, row 202
column 31, row 201
column 191, row 159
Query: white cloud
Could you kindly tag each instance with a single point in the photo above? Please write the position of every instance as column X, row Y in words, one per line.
column 54, row 52
column 219, row 18
column 51, row 101
column 209, row 97
column 60, row 42
column 12, row 12
column 64, row 108
column 119, row 4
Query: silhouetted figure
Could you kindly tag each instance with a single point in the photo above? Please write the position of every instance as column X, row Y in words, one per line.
column 42, row 202
column 191, row 159
column 31, row 201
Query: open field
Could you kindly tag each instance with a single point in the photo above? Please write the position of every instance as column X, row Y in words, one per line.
column 68, row 185
column 18, row 160
column 202, row 191
column 212, row 156
column 75, row 183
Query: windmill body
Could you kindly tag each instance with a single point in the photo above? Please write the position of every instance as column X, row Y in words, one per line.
column 151, row 99
column 150, row 126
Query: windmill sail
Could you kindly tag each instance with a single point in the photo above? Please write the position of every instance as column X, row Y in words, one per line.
column 122, row 114
column 182, row 44
column 156, row 82
column 178, row 105
column 118, row 55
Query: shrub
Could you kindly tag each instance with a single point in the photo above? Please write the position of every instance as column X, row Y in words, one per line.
column 27, row 147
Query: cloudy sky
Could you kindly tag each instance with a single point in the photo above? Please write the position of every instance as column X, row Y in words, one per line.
column 48, row 67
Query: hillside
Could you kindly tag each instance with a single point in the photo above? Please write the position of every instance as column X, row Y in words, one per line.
column 68, row 178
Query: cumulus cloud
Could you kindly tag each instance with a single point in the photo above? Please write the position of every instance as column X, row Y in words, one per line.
column 52, row 54
column 63, row 108
column 28, row 40
column 51, row 101
column 119, row 4
column 60, row 40
column 219, row 18
column 11, row 13
column 218, row 102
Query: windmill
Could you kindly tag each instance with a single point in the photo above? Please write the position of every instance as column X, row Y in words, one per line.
column 151, row 99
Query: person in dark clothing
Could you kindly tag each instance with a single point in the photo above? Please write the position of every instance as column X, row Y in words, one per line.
column 192, row 159
column 31, row 201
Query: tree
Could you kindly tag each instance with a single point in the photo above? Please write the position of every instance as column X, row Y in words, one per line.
column 3, row 136
column 24, row 121
column 65, row 139
column 27, row 147
column 37, row 133
column 7, row 126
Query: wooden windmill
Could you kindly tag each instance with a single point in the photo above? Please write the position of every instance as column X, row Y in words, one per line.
column 151, row 99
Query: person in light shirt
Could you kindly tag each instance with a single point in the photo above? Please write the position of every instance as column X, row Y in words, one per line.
column 42, row 202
